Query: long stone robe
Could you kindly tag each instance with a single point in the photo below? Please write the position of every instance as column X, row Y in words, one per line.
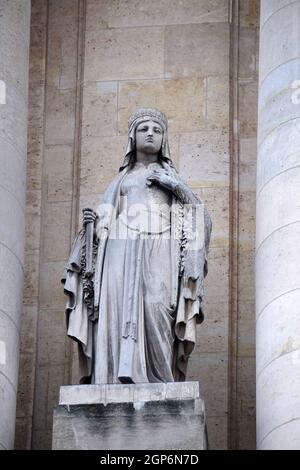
column 141, row 328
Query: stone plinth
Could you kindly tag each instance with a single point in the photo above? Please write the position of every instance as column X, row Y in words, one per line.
column 135, row 416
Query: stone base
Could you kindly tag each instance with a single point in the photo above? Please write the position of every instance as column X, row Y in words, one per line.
column 128, row 417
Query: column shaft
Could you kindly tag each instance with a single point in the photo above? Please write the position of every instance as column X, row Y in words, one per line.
column 14, row 50
column 278, row 228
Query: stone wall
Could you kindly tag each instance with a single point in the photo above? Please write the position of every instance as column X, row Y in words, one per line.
column 92, row 63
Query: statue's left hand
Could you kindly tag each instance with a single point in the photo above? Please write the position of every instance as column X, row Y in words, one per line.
column 163, row 178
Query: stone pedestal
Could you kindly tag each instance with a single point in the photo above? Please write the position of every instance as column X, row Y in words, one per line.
column 135, row 416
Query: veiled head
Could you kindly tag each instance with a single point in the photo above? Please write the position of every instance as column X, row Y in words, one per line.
column 138, row 118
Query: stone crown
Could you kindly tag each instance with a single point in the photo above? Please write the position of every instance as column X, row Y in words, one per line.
column 153, row 113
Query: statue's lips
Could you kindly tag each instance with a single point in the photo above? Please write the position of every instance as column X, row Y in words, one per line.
column 149, row 140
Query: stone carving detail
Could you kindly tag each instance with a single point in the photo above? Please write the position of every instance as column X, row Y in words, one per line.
column 134, row 279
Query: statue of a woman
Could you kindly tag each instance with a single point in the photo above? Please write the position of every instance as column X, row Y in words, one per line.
column 135, row 275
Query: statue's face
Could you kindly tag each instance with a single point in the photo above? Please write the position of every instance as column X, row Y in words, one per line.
column 148, row 137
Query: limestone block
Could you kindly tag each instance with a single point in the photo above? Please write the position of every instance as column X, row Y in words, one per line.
column 36, row 96
column 8, row 412
column 38, row 12
column 52, row 337
column 41, row 439
column 247, row 163
column 278, row 152
column 281, row 316
column 23, row 433
column 269, row 8
column 278, row 254
column 212, row 334
column 28, row 329
column 249, row 12
column 217, row 103
column 214, row 388
column 118, row 14
column 37, row 60
column 99, row 115
column 246, row 403
column 13, row 214
column 26, row 385
column 204, row 158
column 57, row 376
column 120, row 54
column 217, row 429
column 33, row 219
column 180, row 425
column 33, row 173
column 57, row 216
column 9, row 340
column 51, row 291
column 286, row 437
column 246, row 325
column 60, row 116
column 280, row 40
column 182, row 100
column 31, row 277
column 63, row 12
column 62, row 52
column 42, row 386
column 196, row 49
column 12, row 175
column 217, row 278
column 281, row 195
column 101, row 158
column 34, row 152
column 216, row 199
column 246, row 272
column 248, row 60
column 248, row 94
column 279, row 401
column 58, row 166
column 246, row 372
column 247, row 201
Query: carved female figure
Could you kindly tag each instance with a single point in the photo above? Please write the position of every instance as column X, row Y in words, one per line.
column 134, row 312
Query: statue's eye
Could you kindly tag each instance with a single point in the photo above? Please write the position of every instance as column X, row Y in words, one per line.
column 157, row 130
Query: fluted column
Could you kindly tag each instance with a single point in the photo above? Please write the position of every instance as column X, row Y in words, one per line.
column 278, row 227
column 14, row 50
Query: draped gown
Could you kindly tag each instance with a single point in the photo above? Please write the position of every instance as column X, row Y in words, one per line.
column 135, row 337
column 147, row 287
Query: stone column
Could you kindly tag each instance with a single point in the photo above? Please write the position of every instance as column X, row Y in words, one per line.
column 14, row 50
column 278, row 228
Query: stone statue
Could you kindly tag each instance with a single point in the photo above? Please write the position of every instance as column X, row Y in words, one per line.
column 134, row 279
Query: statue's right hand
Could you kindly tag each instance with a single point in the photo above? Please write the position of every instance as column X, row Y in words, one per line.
column 88, row 216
